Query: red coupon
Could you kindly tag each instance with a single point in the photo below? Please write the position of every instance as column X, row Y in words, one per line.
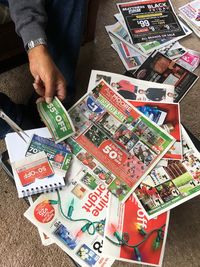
column 33, row 167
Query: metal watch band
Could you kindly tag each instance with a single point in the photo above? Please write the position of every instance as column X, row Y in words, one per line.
column 34, row 43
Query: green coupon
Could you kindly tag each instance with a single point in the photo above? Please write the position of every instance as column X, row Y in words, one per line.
column 57, row 120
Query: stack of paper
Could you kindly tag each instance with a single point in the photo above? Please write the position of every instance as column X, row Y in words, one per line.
column 143, row 27
column 191, row 15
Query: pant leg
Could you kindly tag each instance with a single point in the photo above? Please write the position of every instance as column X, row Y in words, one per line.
column 12, row 110
column 66, row 19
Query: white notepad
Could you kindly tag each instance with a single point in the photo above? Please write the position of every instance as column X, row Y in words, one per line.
column 16, row 150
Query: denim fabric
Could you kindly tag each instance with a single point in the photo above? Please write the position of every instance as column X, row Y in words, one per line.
column 64, row 34
column 12, row 110
column 4, row 2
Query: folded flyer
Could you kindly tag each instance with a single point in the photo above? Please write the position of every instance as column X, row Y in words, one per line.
column 129, row 225
column 119, row 29
column 114, row 132
column 130, row 62
column 149, row 47
column 172, row 182
column 189, row 60
column 150, row 20
column 133, row 89
column 56, row 118
column 74, row 218
column 159, row 68
column 190, row 13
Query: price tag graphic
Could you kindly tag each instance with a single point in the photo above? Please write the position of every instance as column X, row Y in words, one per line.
column 33, row 167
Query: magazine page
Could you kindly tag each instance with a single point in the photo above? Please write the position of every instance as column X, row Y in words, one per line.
column 117, row 135
column 175, row 51
column 190, row 12
column 159, row 68
column 173, row 183
column 74, row 219
column 146, row 47
column 149, row 47
column 127, row 227
column 149, row 20
column 130, row 63
column 46, row 241
column 190, row 60
column 133, row 89
column 118, row 30
column 166, row 115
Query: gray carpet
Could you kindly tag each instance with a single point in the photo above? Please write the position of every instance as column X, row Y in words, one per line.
column 20, row 244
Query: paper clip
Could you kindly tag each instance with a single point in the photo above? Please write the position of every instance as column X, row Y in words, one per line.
column 13, row 125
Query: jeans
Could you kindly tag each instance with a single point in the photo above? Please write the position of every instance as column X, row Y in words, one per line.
column 64, row 34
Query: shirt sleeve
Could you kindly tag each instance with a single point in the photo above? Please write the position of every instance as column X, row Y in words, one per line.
column 30, row 18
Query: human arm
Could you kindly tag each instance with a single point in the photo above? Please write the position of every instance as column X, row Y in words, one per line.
column 30, row 20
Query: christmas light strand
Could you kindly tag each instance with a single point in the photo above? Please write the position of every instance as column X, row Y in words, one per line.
column 122, row 240
column 89, row 226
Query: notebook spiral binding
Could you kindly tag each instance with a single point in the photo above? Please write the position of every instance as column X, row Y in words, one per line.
column 42, row 189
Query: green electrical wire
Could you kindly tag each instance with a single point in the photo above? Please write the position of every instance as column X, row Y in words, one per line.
column 123, row 242
column 88, row 227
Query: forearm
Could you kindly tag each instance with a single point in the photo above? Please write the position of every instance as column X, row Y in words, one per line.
column 29, row 17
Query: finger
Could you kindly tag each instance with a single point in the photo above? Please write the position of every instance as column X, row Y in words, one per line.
column 39, row 81
column 40, row 99
column 61, row 90
column 49, row 90
column 39, row 90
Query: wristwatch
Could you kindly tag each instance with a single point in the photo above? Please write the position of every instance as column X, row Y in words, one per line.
column 34, row 43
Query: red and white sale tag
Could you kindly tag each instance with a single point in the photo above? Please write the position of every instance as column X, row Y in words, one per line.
column 33, row 167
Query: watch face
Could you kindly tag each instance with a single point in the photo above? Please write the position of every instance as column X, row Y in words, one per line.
column 30, row 45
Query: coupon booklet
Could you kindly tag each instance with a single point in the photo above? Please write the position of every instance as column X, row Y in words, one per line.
column 74, row 218
column 150, row 20
column 171, row 183
column 39, row 171
column 159, row 68
column 131, row 237
column 118, row 136
column 133, row 89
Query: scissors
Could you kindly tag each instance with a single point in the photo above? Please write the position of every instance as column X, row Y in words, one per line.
column 13, row 125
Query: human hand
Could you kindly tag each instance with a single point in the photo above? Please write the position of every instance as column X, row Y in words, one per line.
column 49, row 81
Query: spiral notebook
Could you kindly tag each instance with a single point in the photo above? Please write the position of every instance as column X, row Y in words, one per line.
column 33, row 174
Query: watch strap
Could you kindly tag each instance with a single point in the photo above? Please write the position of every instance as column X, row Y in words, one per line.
column 34, row 43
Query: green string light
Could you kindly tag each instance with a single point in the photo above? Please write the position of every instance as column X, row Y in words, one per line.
column 137, row 254
column 123, row 240
column 89, row 226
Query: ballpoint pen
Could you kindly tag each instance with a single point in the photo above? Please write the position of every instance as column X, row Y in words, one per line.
column 13, row 125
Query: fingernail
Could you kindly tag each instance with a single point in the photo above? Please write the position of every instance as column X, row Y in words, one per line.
column 48, row 100
column 35, row 86
column 39, row 100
